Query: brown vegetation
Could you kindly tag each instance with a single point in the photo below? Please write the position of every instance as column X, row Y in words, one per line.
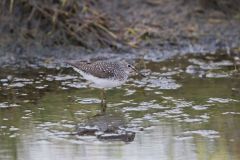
column 111, row 23
column 57, row 22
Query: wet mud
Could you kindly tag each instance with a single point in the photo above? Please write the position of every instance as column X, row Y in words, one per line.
column 165, row 28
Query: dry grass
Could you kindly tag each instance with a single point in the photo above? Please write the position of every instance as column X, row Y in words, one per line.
column 57, row 22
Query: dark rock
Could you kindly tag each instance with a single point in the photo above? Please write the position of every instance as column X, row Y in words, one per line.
column 125, row 136
column 110, row 128
column 141, row 129
column 87, row 130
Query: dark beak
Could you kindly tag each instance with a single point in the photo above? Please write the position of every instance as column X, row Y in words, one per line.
column 138, row 72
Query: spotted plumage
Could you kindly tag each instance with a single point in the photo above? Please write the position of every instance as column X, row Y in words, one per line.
column 104, row 74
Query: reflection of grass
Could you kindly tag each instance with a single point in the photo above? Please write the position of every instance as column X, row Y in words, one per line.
column 61, row 104
column 237, row 16
column 222, row 147
column 200, row 90
column 58, row 107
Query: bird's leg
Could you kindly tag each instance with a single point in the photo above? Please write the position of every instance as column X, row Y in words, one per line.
column 103, row 102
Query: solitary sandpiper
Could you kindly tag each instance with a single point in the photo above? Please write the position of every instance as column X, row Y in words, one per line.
column 104, row 74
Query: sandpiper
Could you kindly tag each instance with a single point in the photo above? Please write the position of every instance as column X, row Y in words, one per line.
column 104, row 74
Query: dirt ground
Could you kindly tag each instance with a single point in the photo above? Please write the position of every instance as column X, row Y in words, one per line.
column 131, row 26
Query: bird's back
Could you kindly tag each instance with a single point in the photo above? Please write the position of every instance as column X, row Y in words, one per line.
column 100, row 69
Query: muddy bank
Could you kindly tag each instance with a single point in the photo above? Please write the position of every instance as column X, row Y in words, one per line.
column 33, row 33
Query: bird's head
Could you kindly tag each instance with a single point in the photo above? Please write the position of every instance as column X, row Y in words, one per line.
column 129, row 69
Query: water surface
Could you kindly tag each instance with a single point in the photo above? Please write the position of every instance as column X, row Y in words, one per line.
column 186, row 108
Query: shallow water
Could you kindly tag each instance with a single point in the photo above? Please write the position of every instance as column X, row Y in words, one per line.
column 186, row 108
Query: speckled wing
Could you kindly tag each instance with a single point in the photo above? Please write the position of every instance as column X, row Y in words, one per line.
column 100, row 69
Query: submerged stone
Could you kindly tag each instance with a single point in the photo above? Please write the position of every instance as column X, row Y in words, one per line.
column 126, row 136
column 107, row 128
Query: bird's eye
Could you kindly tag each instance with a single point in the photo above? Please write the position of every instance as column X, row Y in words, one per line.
column 129, row 65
